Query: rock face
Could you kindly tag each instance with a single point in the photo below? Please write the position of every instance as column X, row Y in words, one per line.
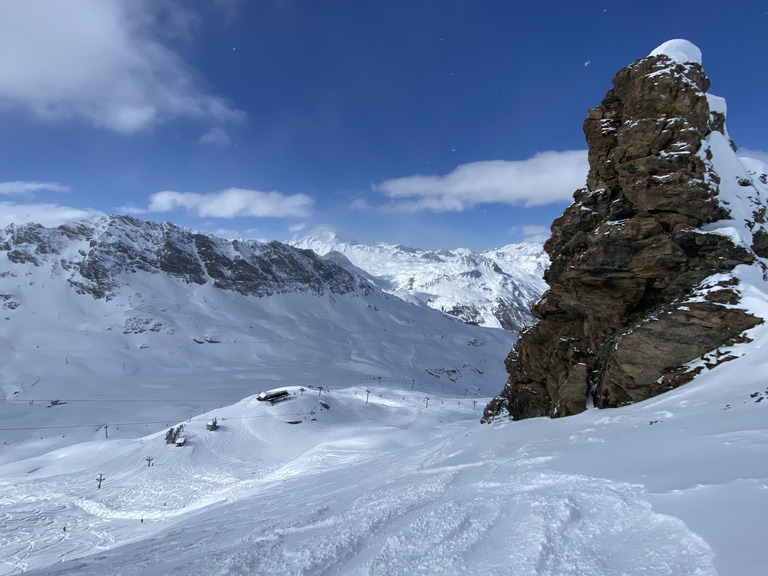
column 96, row 256
column 641, row 282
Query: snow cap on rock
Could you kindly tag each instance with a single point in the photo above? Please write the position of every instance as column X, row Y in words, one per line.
column 679, row 50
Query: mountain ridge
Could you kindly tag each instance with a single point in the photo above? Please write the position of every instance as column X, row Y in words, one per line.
column 113, row 245
column 494, row 288
column 375, row 462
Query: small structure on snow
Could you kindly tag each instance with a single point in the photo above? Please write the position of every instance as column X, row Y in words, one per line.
column 173, row 434
column 212, row 425
column 273, row 396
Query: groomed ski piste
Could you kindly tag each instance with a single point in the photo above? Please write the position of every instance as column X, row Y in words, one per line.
column 360, row 475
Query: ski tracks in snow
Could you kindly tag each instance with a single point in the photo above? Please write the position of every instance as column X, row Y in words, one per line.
column 358, row 503
column 443, row 521
column 395, row 518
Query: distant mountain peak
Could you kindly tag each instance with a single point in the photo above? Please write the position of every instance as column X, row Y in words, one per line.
column 320, row 234
column 495, row 288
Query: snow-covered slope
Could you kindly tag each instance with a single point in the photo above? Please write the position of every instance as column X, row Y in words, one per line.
column 387, row 483
column 495, row 288
column 88, row 320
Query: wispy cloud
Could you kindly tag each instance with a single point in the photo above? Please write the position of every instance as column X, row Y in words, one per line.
column 231, row 203
column 756, row 154
column 27, row 188
column 216, row 136
column 227, row 233
column 45, row 214
column 102, row 61
column 546, row 178
column 257, row 234
column 538, row 234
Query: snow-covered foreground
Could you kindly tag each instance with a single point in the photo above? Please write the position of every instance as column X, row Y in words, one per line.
column 675, row 485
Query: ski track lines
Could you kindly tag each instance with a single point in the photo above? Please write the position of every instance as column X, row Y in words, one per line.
column 424, row 523
column 365, row 489
column 408, row 512
column 208, row 470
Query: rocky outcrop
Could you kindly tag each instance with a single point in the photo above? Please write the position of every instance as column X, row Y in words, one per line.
column 641, row 281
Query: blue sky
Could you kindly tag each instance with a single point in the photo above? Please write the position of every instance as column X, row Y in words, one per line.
column 428, row 123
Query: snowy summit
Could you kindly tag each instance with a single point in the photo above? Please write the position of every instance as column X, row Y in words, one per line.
column 679, row 50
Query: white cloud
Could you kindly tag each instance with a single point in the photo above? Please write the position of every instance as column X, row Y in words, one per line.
column 131, row 209
column 215, row 136
column 756, row 154
column 45, row 214
column 232, row 203
column 297, row 227
column 227, row 233
column 538, row 234
column 257, row 234
column 26, row 188
column 101, row 61
column 546, row 178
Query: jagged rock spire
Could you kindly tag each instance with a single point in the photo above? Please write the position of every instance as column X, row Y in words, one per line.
column 640, row 282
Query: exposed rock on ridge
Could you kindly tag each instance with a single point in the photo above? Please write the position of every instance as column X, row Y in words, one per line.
column 641, row 282
column 96, row 255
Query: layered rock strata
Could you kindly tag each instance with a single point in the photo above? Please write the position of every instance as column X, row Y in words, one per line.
column 641, row 283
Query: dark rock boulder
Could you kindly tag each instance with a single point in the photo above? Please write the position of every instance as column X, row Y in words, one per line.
column 640, row 282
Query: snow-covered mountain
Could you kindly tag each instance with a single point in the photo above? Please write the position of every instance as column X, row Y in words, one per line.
column 494, row 288
column 123, row 312
column 400, row 480
column 93, row 256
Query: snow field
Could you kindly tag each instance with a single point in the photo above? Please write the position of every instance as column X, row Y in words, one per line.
column 359, row 492
column 78, row 351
